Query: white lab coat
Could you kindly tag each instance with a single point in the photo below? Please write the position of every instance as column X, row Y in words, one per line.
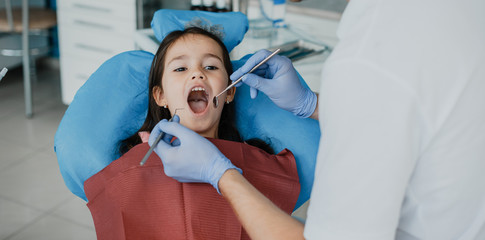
column 402, row 114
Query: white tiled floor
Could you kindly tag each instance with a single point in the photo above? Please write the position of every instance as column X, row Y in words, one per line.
column 34, row 202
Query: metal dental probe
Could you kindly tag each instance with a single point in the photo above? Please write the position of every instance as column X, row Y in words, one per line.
column 214, row 100
column 145, row 158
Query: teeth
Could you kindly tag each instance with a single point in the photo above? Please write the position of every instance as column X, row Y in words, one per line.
column 198, row 89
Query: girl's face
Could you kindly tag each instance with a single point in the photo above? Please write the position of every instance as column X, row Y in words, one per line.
column 193, row 74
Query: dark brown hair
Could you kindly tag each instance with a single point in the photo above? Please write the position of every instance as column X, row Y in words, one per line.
column 227, row 130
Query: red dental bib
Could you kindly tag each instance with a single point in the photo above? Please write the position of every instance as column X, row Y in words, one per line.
column 128, row 201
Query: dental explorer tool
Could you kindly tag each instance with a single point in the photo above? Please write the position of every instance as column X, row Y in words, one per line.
column 145, row 158
column 216, row 103
column 3, row 73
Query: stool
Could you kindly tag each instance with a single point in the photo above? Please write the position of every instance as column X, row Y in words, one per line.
column 26, row 25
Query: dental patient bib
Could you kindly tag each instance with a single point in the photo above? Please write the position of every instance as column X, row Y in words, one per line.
column 129, row 201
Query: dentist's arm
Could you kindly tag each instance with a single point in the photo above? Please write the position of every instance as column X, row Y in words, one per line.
column 315, row 112
column 259, row 216
column 277, row 78
column 192, row 158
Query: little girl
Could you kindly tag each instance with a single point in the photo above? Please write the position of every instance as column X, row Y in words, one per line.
column 128, row 201
column 204, row 65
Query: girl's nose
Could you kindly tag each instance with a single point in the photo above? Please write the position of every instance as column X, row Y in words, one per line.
column 197, row 75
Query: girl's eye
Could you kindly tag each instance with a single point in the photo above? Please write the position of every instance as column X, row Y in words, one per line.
column 180, row 69
column 211, row 68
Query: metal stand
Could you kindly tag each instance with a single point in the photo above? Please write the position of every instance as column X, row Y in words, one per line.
column 26, row 59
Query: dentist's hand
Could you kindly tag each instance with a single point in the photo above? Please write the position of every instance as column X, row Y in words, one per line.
column 278, row 79
column 191, row 157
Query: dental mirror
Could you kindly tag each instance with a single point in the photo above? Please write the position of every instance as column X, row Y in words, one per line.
column 215, row 100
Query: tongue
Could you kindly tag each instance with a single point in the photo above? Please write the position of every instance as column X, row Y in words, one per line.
column 197, row 101
column 198, row 105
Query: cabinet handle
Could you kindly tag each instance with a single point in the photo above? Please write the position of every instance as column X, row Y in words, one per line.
column 88, row 7
column 91, row 24
column 93, row 48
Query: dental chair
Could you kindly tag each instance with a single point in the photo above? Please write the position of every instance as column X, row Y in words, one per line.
column 112, row 106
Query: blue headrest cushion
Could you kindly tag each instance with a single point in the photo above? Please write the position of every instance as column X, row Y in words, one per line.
column 109, row 107
column 233, row 24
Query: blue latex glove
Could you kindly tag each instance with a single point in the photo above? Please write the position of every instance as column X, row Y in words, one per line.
column 278, row 79
column 191, row 157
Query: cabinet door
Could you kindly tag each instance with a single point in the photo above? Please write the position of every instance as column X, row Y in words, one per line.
column 95, row 45
column 101, row 8
column 75, row 70
column 108, row 26
column 91, row 32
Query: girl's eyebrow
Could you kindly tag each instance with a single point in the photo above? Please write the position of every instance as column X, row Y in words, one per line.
column 181, row 57
column 208, row 55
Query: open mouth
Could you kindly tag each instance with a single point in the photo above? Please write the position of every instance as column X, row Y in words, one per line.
column 198, row 100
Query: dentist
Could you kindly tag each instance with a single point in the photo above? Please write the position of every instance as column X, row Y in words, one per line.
column 402, row 115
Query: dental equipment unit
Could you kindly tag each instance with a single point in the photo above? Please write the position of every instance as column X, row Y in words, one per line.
column 215, row 100
column 145, row 158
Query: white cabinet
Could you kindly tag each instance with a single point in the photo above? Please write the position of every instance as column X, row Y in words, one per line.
column 90, row 32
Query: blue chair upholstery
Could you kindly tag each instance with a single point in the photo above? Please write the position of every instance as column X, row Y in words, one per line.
column 233, row 25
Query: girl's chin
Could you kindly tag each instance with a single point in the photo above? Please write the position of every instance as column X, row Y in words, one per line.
column 207, row 134
column 201, row 127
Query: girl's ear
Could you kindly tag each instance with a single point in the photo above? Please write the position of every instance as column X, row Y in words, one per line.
column 159, row 96
column 231, row 93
